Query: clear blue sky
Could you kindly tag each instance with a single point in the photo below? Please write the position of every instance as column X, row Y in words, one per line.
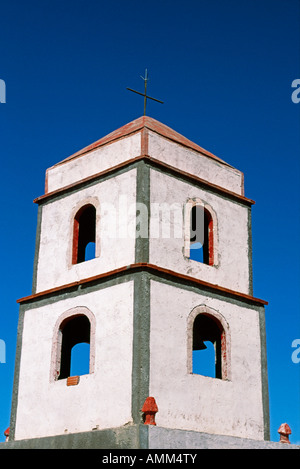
column 224, row 70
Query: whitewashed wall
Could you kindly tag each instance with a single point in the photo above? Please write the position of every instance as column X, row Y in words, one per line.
column 94, row 162
column 231, row 268
column 193, row 162
column 115, row 242
column 101, row 399
column 195, row 402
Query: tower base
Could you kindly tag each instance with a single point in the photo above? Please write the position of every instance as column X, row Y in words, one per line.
column 143, row 437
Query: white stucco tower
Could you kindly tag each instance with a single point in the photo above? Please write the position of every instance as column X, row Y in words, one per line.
column 143, row 252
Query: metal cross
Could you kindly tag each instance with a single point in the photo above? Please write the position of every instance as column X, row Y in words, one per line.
column 145, row 93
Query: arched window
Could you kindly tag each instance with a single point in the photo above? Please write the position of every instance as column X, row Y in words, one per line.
column 201, row 235
column 84, row 234
column 75, row 330
column 73, row 351
column 208, row 343
column 207, row 357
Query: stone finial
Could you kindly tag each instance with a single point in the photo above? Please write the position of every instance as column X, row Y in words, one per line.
column 149, row 408
column 6, row 434
column 284, row 432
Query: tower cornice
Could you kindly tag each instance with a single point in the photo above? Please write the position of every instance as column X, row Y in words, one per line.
column 152, row 269
column 155, row 163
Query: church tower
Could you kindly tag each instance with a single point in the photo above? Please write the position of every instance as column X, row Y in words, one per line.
column 143, row 254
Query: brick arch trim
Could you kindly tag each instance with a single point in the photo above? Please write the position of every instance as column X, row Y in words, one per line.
column 225, row 338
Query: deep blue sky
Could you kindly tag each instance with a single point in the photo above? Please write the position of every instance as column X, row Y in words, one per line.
column 224, row 70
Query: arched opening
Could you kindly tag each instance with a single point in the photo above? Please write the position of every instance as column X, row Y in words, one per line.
column 201, row 235
column 84, row 234
column 73, row 331
column 208, row 340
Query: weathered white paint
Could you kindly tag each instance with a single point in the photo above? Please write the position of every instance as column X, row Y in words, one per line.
column 109, row 155
column 105, row 157
column 101, row 399
column 231, row 269
column 115, row 200
column 193, row 402
column 193, row 162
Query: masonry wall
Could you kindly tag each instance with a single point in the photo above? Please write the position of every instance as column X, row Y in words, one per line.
column 102, row 399
column 232, row 236
column 195, row 163
column 193, row 402
column 101, row 159
column 114, row 199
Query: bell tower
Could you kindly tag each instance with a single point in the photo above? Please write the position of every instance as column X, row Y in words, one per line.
column 143, row 253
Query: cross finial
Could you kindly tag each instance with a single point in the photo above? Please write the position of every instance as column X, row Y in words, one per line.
column 145, row 93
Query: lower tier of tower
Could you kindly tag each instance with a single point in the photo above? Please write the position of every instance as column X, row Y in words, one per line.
column 143, row 328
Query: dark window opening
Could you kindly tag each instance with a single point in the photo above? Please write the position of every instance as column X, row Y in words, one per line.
column 207, row 346
column 84, row 236
column 201, row 235
column 75, row 330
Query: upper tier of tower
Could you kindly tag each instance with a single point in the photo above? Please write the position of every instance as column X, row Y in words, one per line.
column 144, row 136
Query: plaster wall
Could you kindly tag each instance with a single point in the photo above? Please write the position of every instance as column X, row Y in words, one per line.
column 193, row 162
column 105, row 157
column 102, row 399
column 114, row 200
column 231, row 239
column 193, row 402
column 165, row 438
